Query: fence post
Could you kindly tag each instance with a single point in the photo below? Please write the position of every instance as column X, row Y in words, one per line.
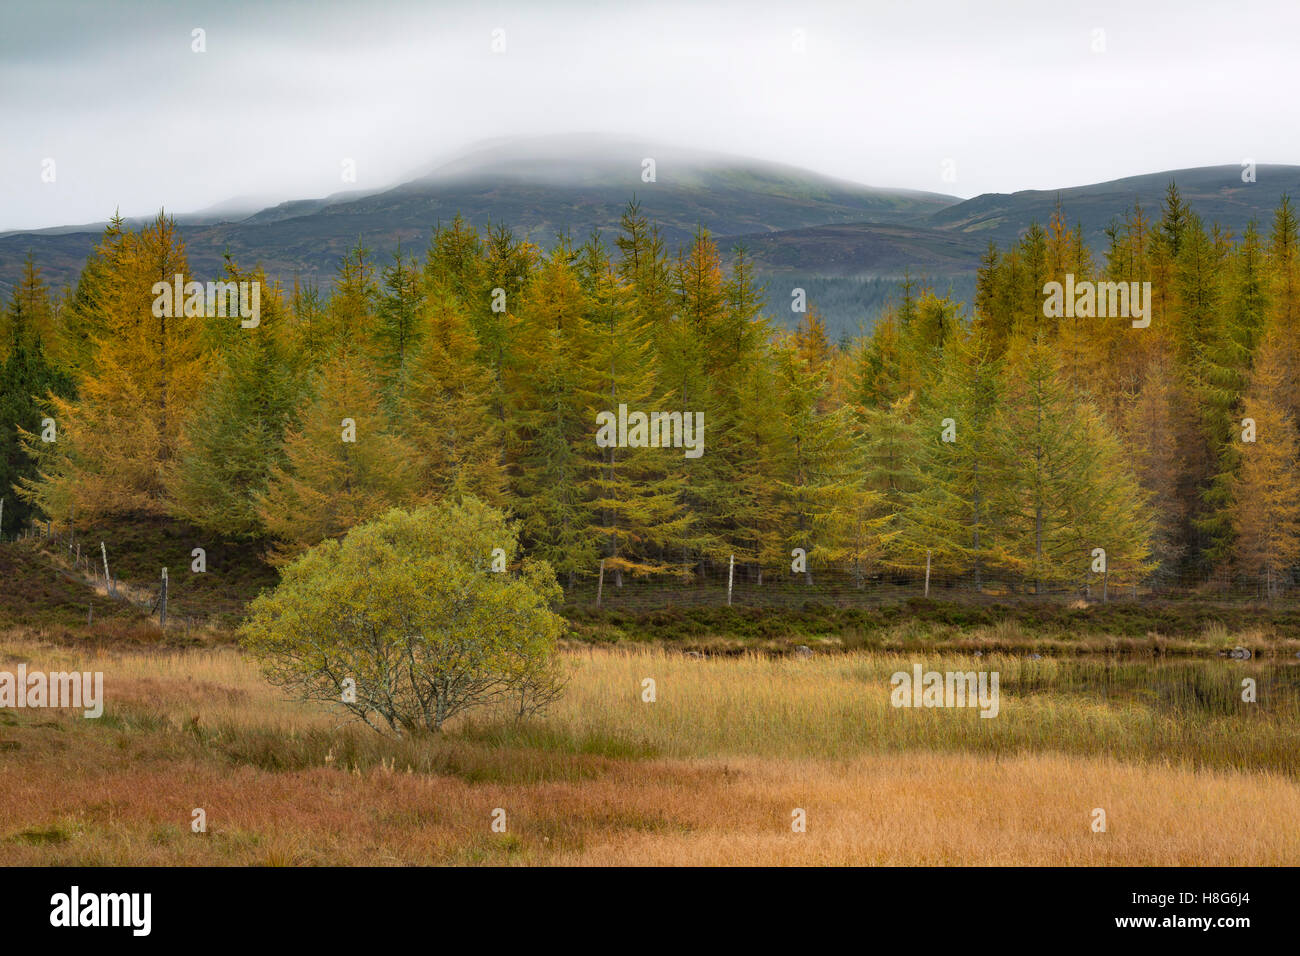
column 927, row 572
column 108, row 581
column 600, row 586
column 731, row 576
column 162, row 617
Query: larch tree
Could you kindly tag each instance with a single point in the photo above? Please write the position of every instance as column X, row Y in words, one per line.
column 29, row 317
column 117, row 441
column 509, row 266
column 877, row 365
column 455, row 261
column 992, row 313
column 1283, row 307
column 949, row 514
column 887, row 453
column 343, row 464
column 740, row 366
column 445, row 408
column 311, row 336
column 1151, row 451
column 1064, row 491
column 81, row 315
column 699, row 300
column 398, row 327
column 1265, row 493
column 351, row 320
column 1222, row 374
column 552, row 435
column 235, row 438
column 633, row 491
column 813, row 478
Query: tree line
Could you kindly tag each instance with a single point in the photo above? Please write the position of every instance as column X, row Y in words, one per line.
column 1000, row 445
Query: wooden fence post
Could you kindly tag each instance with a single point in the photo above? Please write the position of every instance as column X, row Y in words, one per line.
column 108, row 581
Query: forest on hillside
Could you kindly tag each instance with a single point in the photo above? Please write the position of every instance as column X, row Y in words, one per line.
column 1000, row 446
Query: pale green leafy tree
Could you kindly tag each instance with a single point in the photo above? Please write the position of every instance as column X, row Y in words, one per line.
column 405, row 622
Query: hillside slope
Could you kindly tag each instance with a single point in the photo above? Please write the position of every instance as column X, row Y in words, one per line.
column 539, row 187
column 844, row 242
column 37, row 594
column 1215, row 193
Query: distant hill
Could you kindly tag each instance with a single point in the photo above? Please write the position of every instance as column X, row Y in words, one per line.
column 1216, row 193
column 851, row 270
column 539, row 187
column 844, row 242
column 863, row 248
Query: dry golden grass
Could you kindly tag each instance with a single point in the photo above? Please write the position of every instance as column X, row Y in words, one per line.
column 707, row 774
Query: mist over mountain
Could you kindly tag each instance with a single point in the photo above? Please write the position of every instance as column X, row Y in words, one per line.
column 845, row 242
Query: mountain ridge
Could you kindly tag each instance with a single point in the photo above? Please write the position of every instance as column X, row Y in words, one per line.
column 798, row 225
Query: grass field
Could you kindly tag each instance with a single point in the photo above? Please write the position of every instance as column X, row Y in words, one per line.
column 711, row 772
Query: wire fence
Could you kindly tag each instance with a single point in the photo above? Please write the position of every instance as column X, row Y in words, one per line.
column 720, row 586
column 745, row 586
column 87, row 562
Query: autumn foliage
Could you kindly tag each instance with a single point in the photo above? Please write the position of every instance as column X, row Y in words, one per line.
column 1000, row 445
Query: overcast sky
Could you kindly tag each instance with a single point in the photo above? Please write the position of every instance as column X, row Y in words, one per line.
column 1015, row 95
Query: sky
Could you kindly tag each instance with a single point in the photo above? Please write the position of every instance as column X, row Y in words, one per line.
column 108, row 105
